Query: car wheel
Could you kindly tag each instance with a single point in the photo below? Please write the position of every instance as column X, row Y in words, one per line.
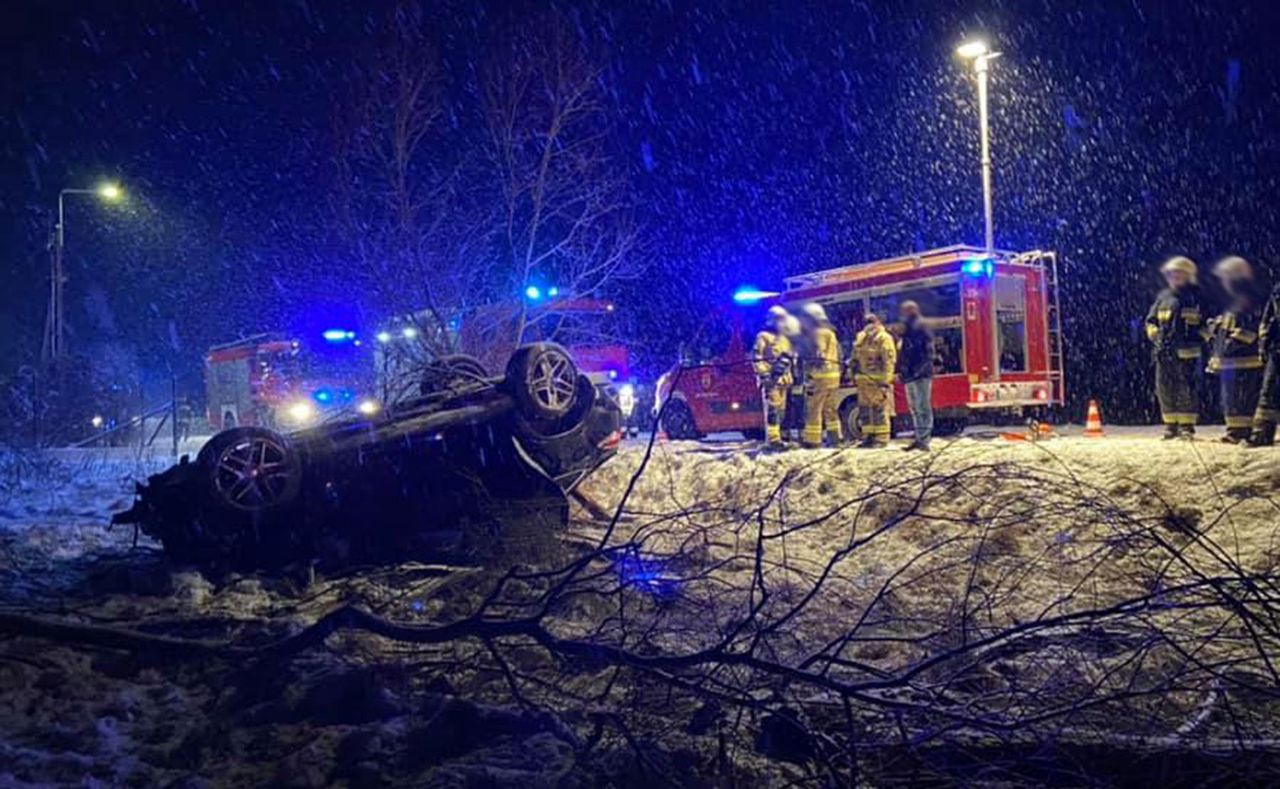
column 677, row 420
column 450, row 371
column 250, row 470
column 544, row 381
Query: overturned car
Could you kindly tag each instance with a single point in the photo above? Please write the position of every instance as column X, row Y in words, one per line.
column 442, row 473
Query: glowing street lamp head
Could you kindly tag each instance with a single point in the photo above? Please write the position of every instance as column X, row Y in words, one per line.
column 971, row 50
column 111, row 192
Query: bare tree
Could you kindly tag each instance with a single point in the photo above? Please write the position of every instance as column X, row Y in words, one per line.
column 395, row 196
column 565, row 219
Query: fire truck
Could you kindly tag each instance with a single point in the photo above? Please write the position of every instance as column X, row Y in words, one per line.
column 995, row 317
column 272, row 380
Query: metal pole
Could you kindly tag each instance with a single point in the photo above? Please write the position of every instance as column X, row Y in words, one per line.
column 980, row 65
column 173, row 410
column 53, row 338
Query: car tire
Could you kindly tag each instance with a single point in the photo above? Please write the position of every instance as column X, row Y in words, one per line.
column 250, row 471
column 543, row 379
column 450, row 371
column 677, row 421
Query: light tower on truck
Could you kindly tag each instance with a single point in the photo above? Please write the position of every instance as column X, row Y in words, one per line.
column 981, row 55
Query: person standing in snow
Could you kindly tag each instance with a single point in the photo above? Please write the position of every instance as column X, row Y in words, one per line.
column 915, row 367
column 821, row 377
column 772, row 358
column 875, row 355
column 1234, row 342
column 1176, row 329
column 1268, row 412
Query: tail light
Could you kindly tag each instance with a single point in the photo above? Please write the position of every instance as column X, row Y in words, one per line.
column 610, row 442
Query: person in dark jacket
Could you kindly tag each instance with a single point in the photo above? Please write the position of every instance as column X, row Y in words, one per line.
column 1175, row 327
column 1233, row 337
column 915, row 367
column 1268, row 412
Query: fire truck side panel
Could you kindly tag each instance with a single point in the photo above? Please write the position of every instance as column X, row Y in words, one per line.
column 978, row 338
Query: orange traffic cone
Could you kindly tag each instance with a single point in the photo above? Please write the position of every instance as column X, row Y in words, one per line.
column 1093, row 422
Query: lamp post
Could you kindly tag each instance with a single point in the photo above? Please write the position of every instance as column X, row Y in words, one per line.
column 54, row 343
column 981, row 55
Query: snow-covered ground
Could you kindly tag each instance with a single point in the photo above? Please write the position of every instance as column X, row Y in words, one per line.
column 1046, row 526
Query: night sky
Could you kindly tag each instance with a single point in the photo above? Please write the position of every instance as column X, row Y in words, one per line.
column 758, row 139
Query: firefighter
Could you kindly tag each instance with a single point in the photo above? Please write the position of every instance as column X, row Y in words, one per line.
column 875, row 354
column 772, row 358
column 1176, row 330
column 1234, row 341
column 1268, row 412
column 821, row 378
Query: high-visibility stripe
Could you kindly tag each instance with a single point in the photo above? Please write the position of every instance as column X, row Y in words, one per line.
column 1237, row 362
column 875, row 430
column 1179, row 418
column 1244, row 335
column 1190, row 316
column 1164, row 316
column 1266, row 415
column 833, row 375
column 1188, row 353
column 1239, row 421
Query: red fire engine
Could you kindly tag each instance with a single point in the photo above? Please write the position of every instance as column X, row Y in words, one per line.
column 996, row 322
column 275, row 381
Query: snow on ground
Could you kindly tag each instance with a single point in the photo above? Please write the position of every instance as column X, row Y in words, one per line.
column 1035, row 527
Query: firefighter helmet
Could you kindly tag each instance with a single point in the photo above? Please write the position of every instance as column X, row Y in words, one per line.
column 1180, row 264
column 814, row 311
column 777, row 317
column 1233, row 267
column 791, row 326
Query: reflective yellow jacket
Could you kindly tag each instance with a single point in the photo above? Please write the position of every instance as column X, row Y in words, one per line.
column 772, row 356
column 876, row 354
column 825, row 364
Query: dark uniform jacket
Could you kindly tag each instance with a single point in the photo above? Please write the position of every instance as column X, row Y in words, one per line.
column 1234, row 335
column 1175, row 323
column 915, row 359
column 1269, row 325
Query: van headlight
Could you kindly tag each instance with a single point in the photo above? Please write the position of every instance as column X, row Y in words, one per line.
column 368, row 407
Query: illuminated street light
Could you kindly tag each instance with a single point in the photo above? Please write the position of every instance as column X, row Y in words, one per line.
column 55, row 326
column 109, row 191
column 981, row 55
column 972, row 49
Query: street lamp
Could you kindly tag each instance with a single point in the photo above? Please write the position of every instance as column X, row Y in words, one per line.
column 54, row 345
column 981, row 55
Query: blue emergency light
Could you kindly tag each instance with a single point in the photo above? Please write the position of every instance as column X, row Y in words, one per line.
column 749, row 295
column 533, row 293
column 338, row 335
column 978, row 267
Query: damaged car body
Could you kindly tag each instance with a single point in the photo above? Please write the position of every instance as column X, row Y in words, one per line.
column 442, row 473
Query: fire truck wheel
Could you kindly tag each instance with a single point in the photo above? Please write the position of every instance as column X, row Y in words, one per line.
column 544, row 381
column 250, row 471
column 677, row 420
column 851, row 420
column 449, row 371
